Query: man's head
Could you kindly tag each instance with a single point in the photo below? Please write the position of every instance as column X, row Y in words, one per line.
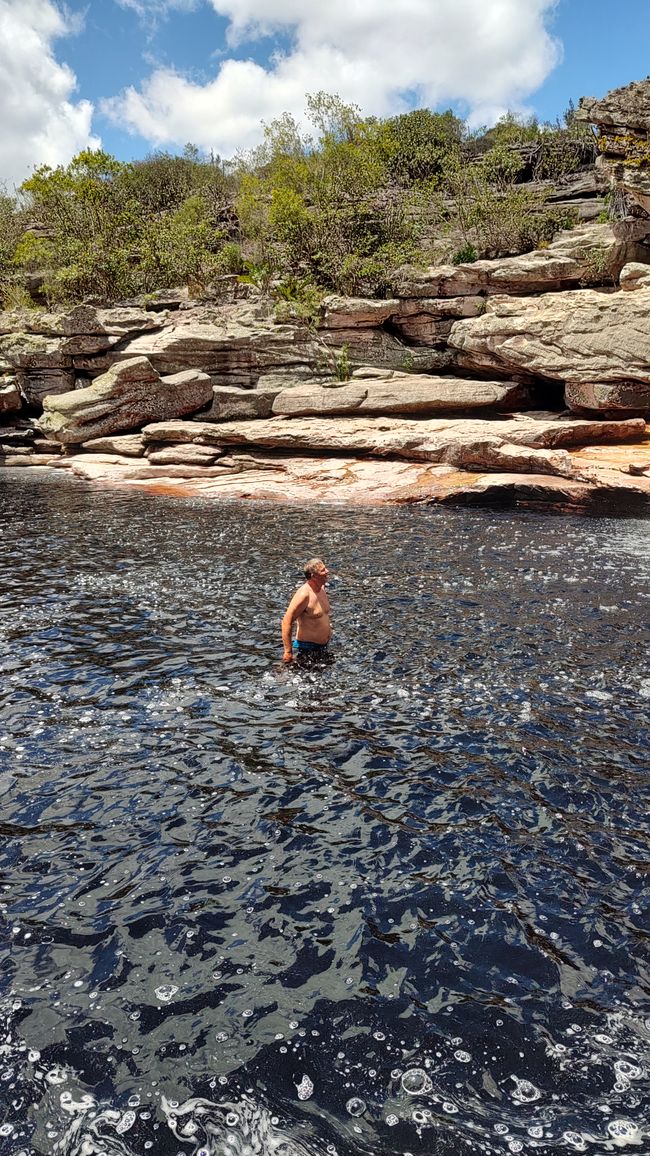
column 316, row 568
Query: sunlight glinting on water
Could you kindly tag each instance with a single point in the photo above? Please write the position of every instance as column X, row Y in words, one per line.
column 394, row 904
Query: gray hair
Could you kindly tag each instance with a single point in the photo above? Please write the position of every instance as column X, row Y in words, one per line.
column 311, row 566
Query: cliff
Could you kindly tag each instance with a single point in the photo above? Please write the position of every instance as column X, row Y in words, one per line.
column 524, row 376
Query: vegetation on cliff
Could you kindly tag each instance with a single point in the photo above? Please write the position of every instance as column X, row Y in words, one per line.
column 337, row 210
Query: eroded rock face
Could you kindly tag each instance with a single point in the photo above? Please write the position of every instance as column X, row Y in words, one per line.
column 398, row 393
column 129, row 395
column 580, row 337
column 233, row 354
column 625, row 107
column 585, row 255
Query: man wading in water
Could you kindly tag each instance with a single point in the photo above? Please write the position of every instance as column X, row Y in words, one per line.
column 310, row 608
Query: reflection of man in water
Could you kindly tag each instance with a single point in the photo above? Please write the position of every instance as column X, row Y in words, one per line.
column 310, row 608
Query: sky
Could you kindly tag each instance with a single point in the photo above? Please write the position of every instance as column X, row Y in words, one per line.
column 134, row 76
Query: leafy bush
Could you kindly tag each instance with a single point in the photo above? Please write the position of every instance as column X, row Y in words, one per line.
column 465, row 255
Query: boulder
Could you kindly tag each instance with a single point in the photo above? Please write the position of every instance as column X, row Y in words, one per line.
column 580, row 337
column 586, row 255
column 10, row 399
column 233, row 354
column 181, row 432
column 635, row 275
column 397, row 393
column 622, row 397
column 229, row 404
column 129, row 395
column 626, row 107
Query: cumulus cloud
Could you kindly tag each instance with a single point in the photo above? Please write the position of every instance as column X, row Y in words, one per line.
column 41, row 121
column 485, row 56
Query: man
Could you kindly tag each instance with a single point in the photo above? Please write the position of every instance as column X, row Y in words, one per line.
column 310, row 608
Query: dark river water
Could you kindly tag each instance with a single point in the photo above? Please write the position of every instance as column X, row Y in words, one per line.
column 396, row 904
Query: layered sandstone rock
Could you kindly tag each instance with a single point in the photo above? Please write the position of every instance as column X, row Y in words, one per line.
column 585, row 255
column 584, row 338
column 536, row 444
column 124, row 398
column 398, row 393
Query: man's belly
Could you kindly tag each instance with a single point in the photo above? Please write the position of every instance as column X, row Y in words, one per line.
column 314, row 630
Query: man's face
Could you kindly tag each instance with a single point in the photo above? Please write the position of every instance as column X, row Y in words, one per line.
column 322, row 572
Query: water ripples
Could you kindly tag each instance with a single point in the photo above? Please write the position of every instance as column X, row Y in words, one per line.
column 394, row 905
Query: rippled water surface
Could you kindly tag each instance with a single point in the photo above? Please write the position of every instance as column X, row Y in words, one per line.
column 394, row 905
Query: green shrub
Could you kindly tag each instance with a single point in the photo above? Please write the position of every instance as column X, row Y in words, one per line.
column 465, row 255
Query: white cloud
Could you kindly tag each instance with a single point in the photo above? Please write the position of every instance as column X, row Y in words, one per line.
column 150, row 11
column 384, row 55
column 41, row 121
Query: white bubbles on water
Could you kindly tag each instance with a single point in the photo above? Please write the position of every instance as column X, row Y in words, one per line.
column 627, row 1071
column 355, row 1106
column 415, row 1082
column 462, row 1057
column 166, row 992
column 525, row 1092
column 623, row 1132
column 305, row 1088
column 127, row 1121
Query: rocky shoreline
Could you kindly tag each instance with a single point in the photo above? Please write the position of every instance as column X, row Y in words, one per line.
column 525, row 378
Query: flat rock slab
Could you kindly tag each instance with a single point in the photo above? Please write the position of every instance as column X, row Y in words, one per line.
column 395, row 393
column 353, row 481
column 427, row 439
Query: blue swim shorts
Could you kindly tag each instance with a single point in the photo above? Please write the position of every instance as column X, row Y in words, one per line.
column 301, row 647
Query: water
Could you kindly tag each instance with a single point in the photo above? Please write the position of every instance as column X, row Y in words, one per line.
column 395, row 905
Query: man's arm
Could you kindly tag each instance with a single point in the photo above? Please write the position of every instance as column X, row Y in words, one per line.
column 296, row 607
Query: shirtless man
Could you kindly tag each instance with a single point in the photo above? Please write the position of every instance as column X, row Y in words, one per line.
column 310, row 608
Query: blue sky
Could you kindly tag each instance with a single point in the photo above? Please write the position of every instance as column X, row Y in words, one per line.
column 134, row 75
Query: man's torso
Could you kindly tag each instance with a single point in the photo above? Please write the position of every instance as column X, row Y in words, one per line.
column 314, row 622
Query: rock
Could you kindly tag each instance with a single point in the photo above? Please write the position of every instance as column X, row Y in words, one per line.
column 181, row 433
column 626, row 107
column 579, row 337
column 128, row 445
column 33, row 351
column 129, row 395
column 184, row 455
column 635, row 275
column 239, row 404
column 37, row 384
column 356, row 312
column 14, row 459
column 10, row 399
column 233, row 354
column 585, row 255
column 398, row 393
column 623, row 396
column 522, row 443
column 16, row 437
